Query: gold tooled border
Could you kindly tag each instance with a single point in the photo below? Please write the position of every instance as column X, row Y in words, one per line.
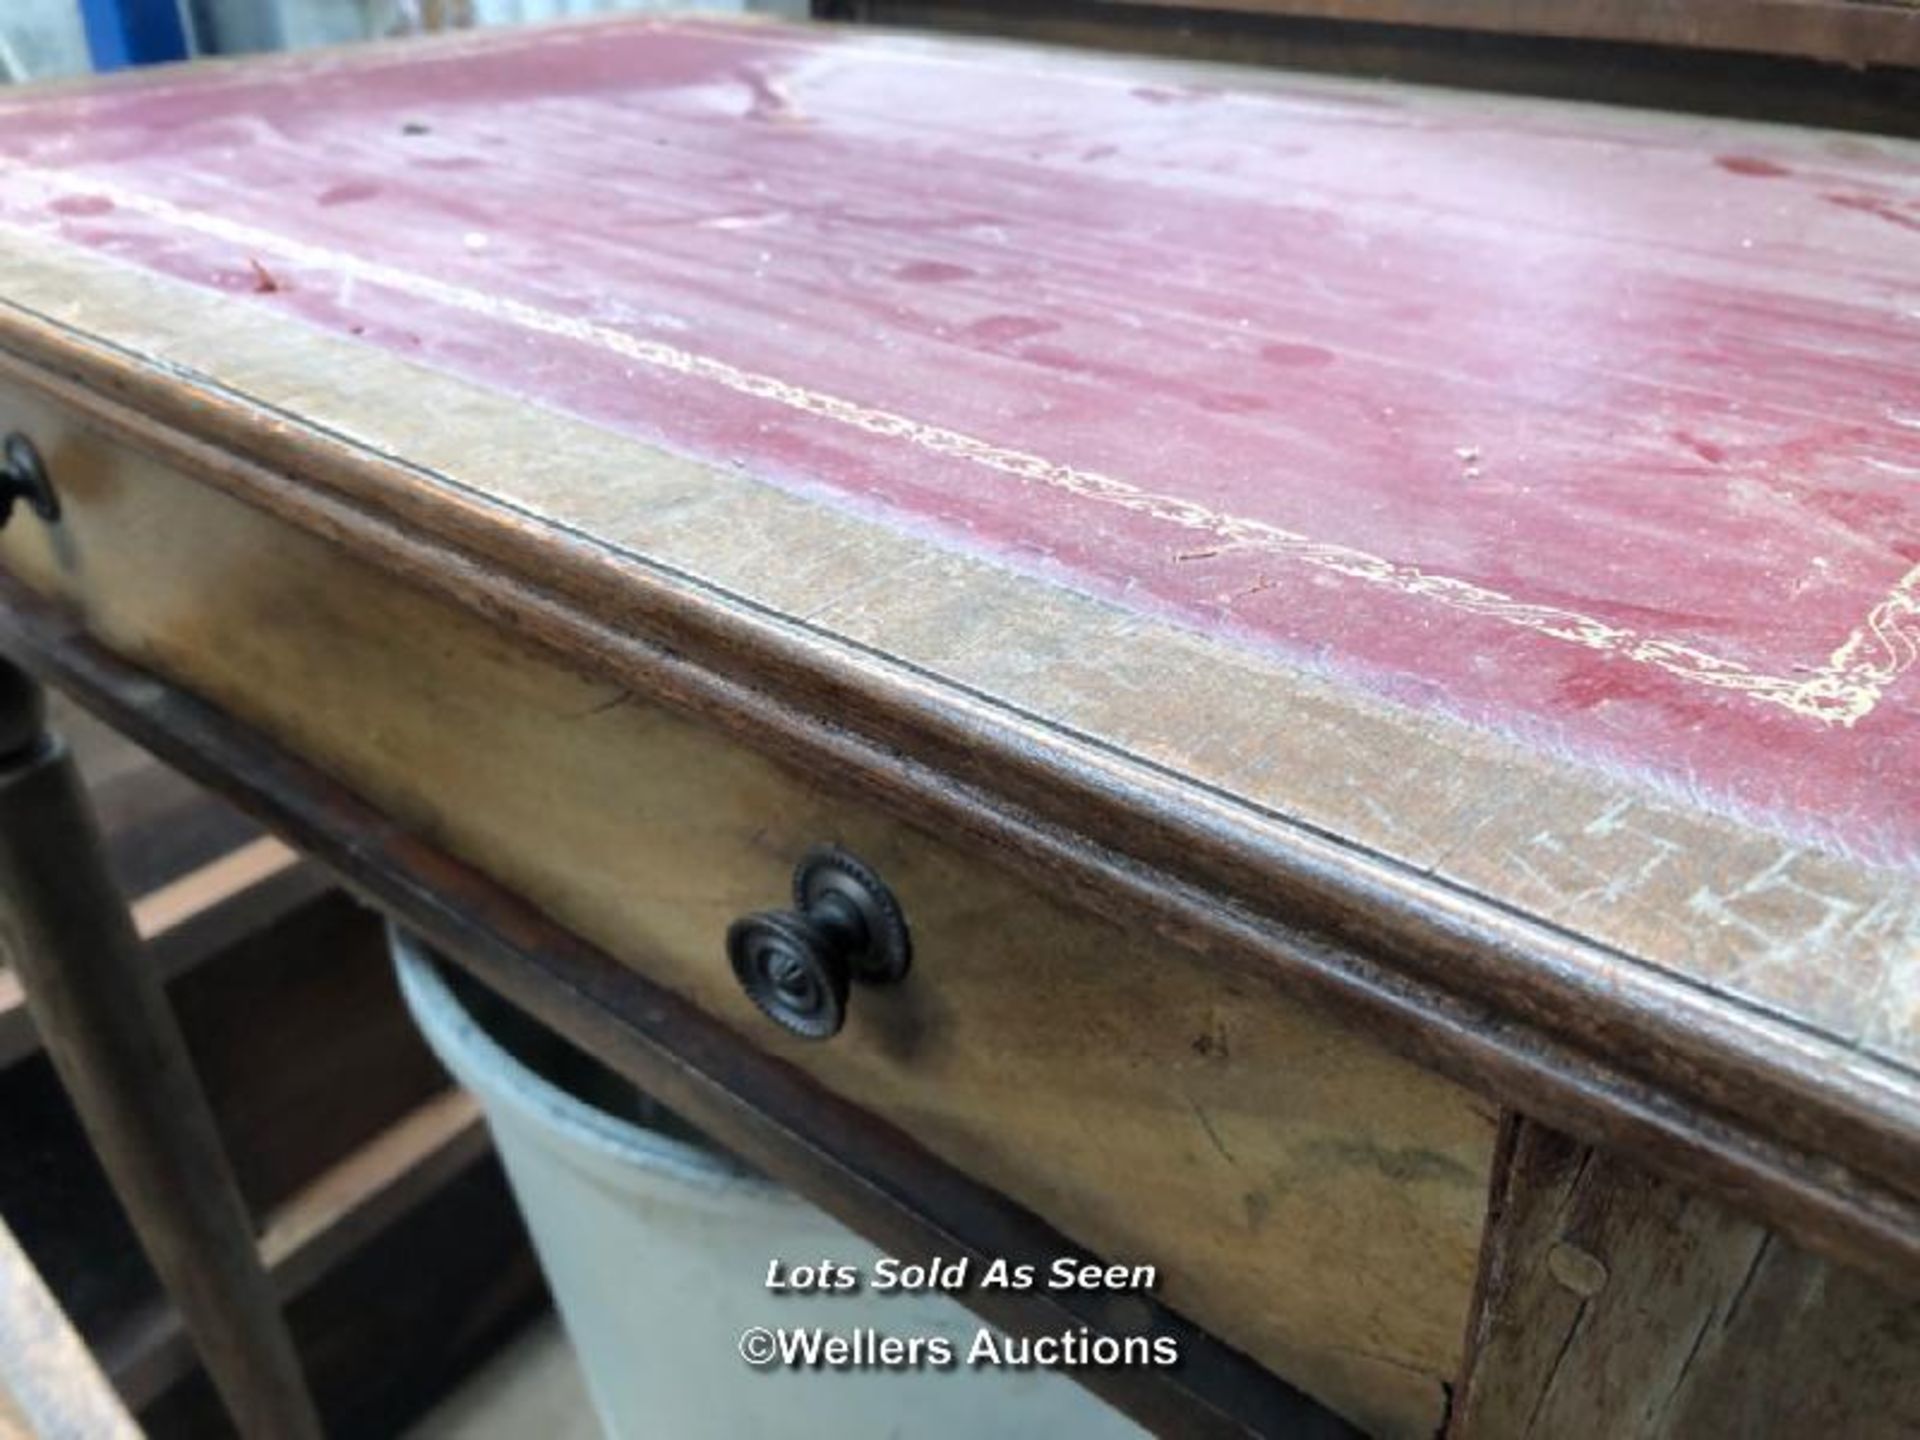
column 1842, row 692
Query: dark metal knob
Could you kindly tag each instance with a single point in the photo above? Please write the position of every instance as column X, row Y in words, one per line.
column 23, row 477
column 797, row 965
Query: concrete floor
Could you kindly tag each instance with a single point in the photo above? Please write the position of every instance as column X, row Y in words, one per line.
column 532, row 1387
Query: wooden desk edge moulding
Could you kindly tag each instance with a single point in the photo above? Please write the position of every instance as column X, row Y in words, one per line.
column 663, row 592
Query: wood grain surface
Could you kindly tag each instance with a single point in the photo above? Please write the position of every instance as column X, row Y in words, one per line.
column 870, row 1174
column 1176, row 813
column 1616, row 1304
column 1644, row 807
column 1595, row 868
column 1153, row 1109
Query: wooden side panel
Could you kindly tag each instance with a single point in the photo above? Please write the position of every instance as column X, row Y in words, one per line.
column 1311, row 1198
column 1618, row 1304
column 294, row 1086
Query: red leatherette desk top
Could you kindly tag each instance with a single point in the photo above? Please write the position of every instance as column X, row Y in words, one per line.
column 1589, row 424
column 1571, row 451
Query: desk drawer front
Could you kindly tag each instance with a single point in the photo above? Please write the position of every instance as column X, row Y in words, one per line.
column 1312, row 1199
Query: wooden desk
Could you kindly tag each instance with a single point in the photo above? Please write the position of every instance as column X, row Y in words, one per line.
column 1342, row 614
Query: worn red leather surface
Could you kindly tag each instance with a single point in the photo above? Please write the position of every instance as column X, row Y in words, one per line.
column 1599, row 427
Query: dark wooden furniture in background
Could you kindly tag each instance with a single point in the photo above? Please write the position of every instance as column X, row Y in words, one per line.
column 384, row 1222
column 104, row 1019
column 1845, row 63
column 1854, row 33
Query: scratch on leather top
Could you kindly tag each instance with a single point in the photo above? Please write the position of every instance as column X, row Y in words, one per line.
column 1540, row 414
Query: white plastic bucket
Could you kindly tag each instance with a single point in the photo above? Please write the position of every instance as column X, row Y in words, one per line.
column 657, row 1251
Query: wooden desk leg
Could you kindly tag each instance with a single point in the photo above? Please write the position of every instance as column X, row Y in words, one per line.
column 113, row 1039
column 1613, row 1302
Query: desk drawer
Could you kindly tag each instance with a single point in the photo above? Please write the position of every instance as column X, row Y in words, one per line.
column 1309, row 1197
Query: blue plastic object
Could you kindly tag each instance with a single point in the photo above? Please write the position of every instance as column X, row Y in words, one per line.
column 121, row 33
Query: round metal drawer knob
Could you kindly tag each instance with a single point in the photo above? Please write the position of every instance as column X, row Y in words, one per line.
column 24, row 477
column 798, row 965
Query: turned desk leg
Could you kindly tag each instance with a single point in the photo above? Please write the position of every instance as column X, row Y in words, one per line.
column 114, row 1041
